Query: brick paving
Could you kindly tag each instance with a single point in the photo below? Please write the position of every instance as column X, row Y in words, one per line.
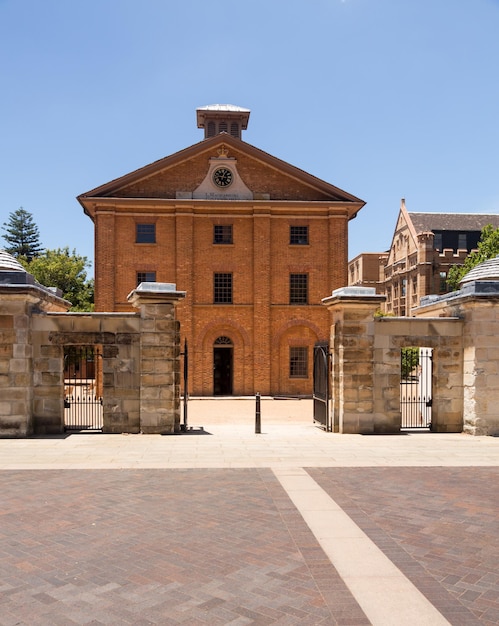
column 197, row 530
column 440, row 526
column 215, row 546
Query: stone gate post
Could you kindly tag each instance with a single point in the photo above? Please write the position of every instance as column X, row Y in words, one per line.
column 159, row 356
column 352, row 347
column 21, row 297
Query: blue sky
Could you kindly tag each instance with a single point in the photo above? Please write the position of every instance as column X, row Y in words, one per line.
column 386, row 99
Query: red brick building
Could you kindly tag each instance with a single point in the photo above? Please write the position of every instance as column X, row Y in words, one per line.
column 255, row 242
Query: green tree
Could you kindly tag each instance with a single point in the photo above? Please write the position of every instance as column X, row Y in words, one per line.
column 67, row 271
column 488, row 248
column 409, row 362
column 23, row 236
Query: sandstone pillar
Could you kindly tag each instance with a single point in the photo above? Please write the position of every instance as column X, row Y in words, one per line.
column 159, row 356
column 352, row 346
column 20, row 386
column 481, row 355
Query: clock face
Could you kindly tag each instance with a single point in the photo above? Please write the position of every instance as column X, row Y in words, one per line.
column 222, row 177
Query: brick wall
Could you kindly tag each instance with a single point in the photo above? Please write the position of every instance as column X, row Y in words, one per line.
column 260, row 322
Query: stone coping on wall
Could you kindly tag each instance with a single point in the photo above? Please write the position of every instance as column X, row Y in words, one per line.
column 385, row 319
column 479, row 288
column 354, row 294
column 95, row 314
column 36, row 292
column 155, row 293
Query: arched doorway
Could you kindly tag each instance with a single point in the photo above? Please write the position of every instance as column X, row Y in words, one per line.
column 223, row 366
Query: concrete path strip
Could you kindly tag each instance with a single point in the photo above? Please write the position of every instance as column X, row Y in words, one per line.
column 384, row 593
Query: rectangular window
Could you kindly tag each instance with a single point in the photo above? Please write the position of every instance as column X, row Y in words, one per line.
column 222, row 289
column 298, row 288
column 145, row 233
column 298, row 362
column 146, row 277
column 462, row 242
column 222, row 234
column 298, row 235
column 443, row 282
column 437, row 242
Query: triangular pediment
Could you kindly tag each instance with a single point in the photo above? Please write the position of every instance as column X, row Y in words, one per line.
column 404, row 236
column 253, row 174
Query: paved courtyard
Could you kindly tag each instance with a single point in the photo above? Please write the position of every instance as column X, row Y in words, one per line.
column 223, row 526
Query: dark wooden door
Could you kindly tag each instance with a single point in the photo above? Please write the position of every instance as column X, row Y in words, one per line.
column 222, row 371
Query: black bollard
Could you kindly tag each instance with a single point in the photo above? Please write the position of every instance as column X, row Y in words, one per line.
column 258, row 417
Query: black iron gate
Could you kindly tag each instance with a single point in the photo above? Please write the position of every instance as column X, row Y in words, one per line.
column 82, row 388
column 416, row 396
column 321, row 384
column 185, row 354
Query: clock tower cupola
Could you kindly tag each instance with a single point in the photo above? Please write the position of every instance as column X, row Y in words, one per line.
column 222, row 118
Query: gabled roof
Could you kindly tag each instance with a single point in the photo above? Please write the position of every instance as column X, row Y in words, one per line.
column 427, row 222
column 208, row 146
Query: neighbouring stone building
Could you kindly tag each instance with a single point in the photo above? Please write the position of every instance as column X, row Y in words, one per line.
column 424, row 247
column 254, row 242
column 364, row 270
column 138, row 373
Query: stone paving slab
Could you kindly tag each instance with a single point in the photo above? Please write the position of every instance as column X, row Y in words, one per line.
column 440, row 526
column 239, row 447
column 161, row 547
column 384, row 593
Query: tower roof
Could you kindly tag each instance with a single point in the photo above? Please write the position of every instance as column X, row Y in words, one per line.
column 217, row 118
column 487, row 270
column 9, row 263
column 223, row 107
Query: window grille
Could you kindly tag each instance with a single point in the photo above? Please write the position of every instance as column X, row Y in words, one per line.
column 234, row 129
column 222, row 127
column 298, row 362
column 222, row 234
column 222, row 287
column 298, row 289
column 298, row 235
column 145, row 233
column 146, row 277
column 211, row 130
column 223, row 341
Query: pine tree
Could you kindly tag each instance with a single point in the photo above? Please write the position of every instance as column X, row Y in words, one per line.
column 23, row 237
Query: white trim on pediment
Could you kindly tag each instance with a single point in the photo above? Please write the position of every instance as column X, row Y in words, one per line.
column 236, row 190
